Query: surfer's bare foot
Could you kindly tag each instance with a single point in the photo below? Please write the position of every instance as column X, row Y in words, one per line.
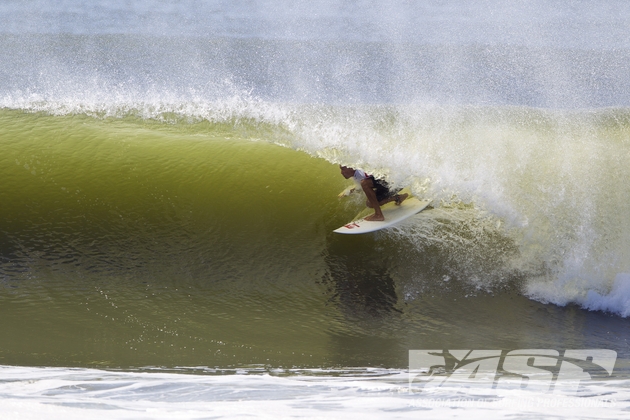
column 399, row 198
column 375, row 218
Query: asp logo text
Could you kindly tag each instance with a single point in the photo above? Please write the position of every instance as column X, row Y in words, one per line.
column 541, row 370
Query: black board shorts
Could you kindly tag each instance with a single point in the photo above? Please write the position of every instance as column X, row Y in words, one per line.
column 382, row 190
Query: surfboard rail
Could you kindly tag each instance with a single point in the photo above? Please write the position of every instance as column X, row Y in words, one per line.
column 393, row 214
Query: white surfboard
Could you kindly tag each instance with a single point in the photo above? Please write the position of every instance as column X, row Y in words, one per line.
column 393, row 214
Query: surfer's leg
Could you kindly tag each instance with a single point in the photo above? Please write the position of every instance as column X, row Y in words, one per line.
column 386, row 195
column 368, row 188
column 398, row 198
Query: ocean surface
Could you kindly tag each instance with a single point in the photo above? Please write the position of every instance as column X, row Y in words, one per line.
column 168, row 190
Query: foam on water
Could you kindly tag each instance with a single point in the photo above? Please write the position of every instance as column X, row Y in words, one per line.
column 617, row 300
column 30, row 393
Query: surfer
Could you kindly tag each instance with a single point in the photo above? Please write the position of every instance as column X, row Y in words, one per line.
column 376, row 190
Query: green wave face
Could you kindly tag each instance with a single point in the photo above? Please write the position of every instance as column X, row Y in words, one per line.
column 164, row 245
column 128, row 242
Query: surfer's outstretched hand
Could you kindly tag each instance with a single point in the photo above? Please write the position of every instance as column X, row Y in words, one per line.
column 346, row 192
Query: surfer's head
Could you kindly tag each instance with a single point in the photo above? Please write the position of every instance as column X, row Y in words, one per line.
column 346, row 172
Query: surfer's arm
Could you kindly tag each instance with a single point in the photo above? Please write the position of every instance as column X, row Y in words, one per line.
column 346, row 192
